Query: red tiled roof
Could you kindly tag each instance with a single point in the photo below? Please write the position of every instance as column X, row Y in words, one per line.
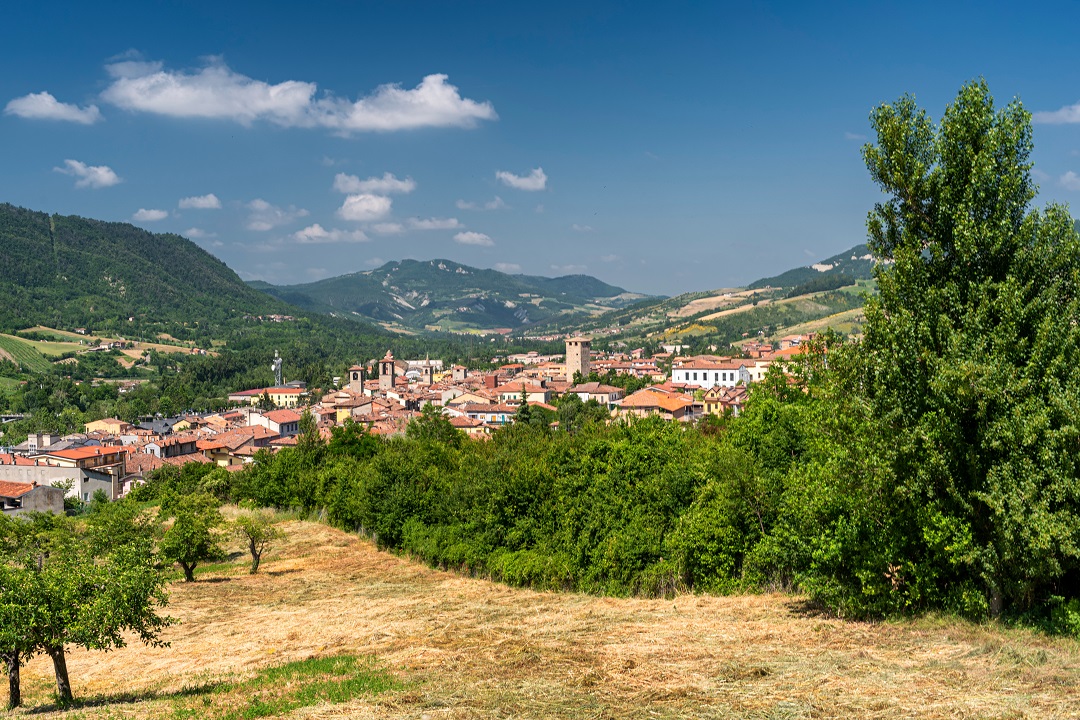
column 14, row 489
column 281, row 416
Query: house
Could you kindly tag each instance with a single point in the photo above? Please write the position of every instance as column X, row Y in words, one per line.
column 17, row 498
column 510, row 393
column 283, row 422
column 172, row 446
column 705, row 374
column 491, row 414
column 606, row 395
column 718, row 400
column 650, row 401
column 108, row 426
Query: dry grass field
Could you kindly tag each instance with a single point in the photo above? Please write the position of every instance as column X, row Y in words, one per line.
column 446, row 646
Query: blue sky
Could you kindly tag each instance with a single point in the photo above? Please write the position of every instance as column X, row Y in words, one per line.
column 663, row 147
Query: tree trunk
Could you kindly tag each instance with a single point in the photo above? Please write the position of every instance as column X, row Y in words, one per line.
column 63, row 684
column 256, row 556
column 11, row 659
column 189, row 571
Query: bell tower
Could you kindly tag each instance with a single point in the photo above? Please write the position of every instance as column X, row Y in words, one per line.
column 386, row 372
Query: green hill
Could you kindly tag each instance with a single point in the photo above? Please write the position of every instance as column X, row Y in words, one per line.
column 829, row 274
column 68, row 272
column 445, row 295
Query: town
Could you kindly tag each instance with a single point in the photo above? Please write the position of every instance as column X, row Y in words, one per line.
column 112, row 456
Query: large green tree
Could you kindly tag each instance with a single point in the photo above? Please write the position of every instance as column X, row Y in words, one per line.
column 950, row 467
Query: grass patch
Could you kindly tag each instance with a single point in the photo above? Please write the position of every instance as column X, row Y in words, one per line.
column 278, row 690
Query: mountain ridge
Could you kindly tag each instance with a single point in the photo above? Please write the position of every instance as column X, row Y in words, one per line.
column 441, row 294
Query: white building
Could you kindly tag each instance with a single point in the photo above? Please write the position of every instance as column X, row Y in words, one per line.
column 705, row 374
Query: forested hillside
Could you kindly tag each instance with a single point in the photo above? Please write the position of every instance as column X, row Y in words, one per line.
column 68, row 271
column 445, row 295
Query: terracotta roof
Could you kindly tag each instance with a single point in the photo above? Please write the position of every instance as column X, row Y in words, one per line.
column 181, row 460
column 16, row 460
column 86, row 452
column 14, row 489
column 138, row 463
column 281, row 416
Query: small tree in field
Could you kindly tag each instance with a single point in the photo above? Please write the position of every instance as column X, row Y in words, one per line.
column 57, row 589
column 259, row 532
column 191, row 539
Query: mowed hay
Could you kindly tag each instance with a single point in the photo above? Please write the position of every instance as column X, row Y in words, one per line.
column 465, row 648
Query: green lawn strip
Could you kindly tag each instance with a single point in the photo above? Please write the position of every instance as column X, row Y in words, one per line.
column 278, row 690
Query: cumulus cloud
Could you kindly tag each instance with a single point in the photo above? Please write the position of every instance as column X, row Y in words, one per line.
column 364, row 207
column 43, row 106
column 201, row 202
column 581, row 228
column 217, row 92
column 390, row 228
column 89, row 176
column 534, row 181
column 473, row 238
column 508, row 267
column 385, row 185
column 144, row 215
column 434, row 224
column 1070, row 181
column 1063, row 116
column 494, row 204
column 197, row 233
column 316, row 234
column 265, row 216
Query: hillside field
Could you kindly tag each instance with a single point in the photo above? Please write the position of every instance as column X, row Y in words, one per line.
column 428, row 644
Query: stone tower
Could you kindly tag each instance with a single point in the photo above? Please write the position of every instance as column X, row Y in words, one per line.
column 386, row 372
column 356, row 379
column 578, row 355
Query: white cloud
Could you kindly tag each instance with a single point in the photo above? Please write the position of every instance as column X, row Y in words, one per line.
column 854, row 136
column 495, row 204
column 581, row 228
column 473, row 238
column 434, row 223
column 144, row 215
column 534, row 181
column 1066, row 115
column 387, row 184
column 364, row 207
column 1070, row 181
column 215, row 91
column 390, row 228
column 197, row 233
column 570, row 269
column 508, row 267
column 43, row 106
column 316, row 234
column 201, row 202
column 89, row 176
column 265, row 216
column 609, row 258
